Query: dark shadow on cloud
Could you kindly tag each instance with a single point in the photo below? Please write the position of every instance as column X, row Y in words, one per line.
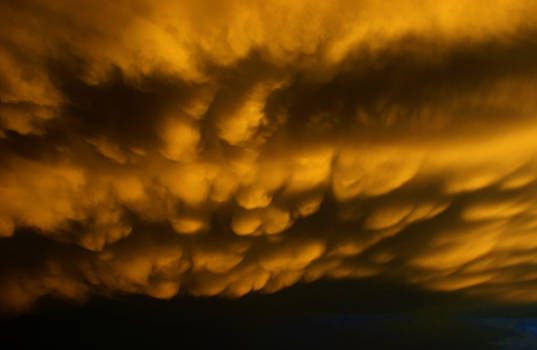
column 409, row 74
column 126, row 112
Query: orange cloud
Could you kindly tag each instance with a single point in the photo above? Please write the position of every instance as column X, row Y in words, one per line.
column 223, row 148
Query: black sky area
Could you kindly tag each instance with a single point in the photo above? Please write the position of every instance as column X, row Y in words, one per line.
column 343, row 314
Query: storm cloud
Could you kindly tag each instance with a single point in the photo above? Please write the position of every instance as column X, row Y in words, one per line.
column 224, row 148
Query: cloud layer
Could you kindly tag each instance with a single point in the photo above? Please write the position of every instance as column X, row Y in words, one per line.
column 224, row 148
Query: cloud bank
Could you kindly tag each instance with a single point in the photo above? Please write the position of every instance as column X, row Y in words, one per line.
column 225, row 148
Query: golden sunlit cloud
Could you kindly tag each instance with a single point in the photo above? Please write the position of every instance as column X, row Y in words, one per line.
column 220, row 148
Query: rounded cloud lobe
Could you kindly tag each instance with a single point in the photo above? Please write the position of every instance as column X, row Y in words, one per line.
column 219, row 149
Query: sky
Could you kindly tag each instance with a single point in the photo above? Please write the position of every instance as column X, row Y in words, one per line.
column 183, row 152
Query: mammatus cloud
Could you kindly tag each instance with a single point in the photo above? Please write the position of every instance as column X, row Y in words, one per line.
column 224, row 148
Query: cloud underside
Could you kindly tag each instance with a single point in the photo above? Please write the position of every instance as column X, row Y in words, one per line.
column 219, row 149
